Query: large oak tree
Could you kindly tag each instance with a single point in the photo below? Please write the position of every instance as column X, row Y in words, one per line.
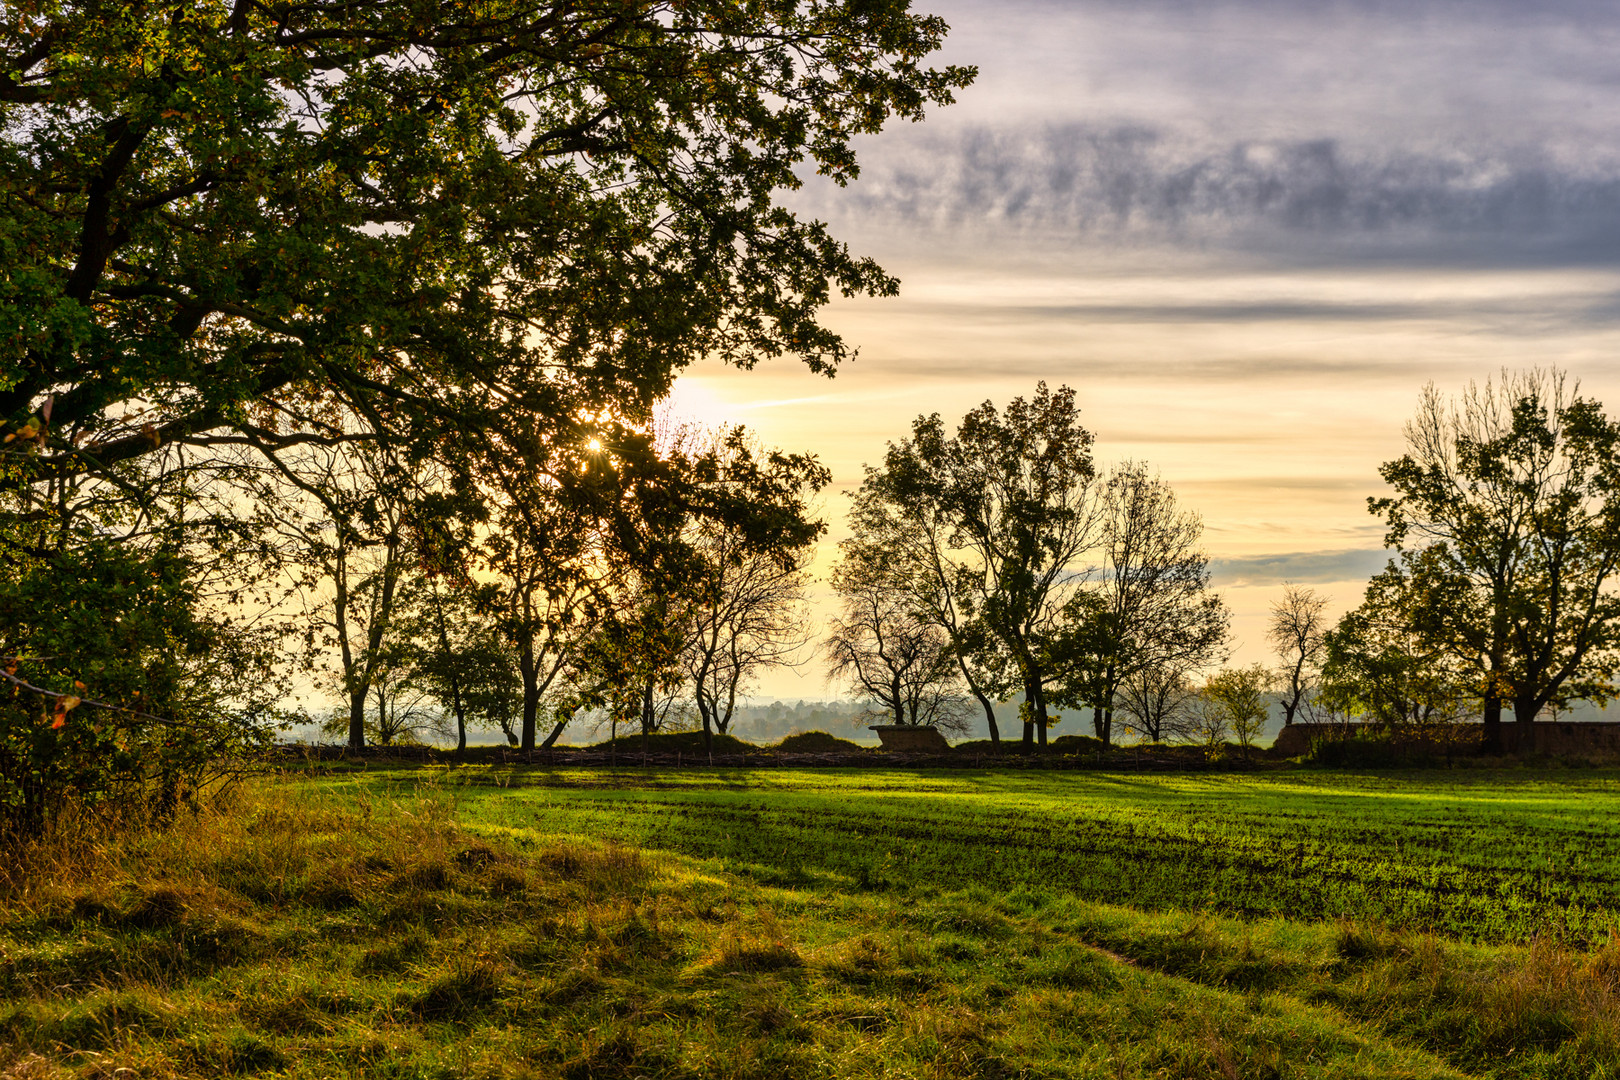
column 221, row 218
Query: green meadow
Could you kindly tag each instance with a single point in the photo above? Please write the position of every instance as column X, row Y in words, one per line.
column 829, row 923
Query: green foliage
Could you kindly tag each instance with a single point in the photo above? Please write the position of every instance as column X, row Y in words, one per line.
column 1507, row 519
column 1237, row 698
column 1381, row 668
column 143, row 695
column 985, row 527
column 1151, row 607
column 469, row 245
column 235, row 217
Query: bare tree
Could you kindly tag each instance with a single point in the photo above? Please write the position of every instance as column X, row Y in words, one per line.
column 880, row 647
column 1156, row 702
column 746, row 614
column 742, row 603
column 1151, row 606
column 1297, row 632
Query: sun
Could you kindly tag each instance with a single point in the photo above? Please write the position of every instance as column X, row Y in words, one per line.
column 594, row 445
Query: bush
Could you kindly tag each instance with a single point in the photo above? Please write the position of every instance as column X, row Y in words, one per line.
column 132, row 697
column 1076, row 744
column 1370, row 750
column 984, row 746
column 816, row 742
column 686, row 742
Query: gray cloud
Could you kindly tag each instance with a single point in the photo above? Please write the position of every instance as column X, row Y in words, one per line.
column 1303, row 567
column 1144, row 185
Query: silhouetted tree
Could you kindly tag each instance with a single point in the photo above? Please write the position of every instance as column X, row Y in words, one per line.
column 1507, row 521
column 925, row 574
column 1149, row 604
column 1007, row 513
column 1379, row 666
column 883, row 649
column 1155, row 701
column 743, row 601
column 1296, row 633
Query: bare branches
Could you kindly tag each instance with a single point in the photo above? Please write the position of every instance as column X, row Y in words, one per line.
column 1297, row 634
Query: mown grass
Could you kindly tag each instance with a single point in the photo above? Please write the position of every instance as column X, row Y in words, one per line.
column 397, row 930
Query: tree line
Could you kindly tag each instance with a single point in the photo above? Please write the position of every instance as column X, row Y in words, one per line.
column 994, row 561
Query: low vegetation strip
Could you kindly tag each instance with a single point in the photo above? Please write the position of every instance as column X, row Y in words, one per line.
column 1489, row 857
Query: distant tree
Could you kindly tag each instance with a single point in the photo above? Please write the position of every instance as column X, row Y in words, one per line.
column 1234, row 701
column 1506, row 518
column 886, row 652
column 631, row 660
column 1208, row 723
column 340, row 511
column 1379, row 666
column 1156, row 701
column 459, row 656
column 726, row 561
column 555, row 539
column 744, row 600
column 1149, row 605
column 900, row 521
column 399, row 710
column 1297, row 632
column 1004, row 514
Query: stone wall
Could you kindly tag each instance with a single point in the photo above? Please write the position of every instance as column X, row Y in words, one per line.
column 1543, row 738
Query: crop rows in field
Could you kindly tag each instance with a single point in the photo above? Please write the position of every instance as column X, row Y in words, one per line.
column 1497, row 859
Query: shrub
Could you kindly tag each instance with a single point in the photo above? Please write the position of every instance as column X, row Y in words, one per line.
column 124, row 695
column 1076, row 744
column 816, row 742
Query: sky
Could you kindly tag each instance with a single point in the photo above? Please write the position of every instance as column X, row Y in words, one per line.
column 1247, row 234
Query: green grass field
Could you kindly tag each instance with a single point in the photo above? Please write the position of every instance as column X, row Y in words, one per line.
column 1486, row 857
column 593, row 924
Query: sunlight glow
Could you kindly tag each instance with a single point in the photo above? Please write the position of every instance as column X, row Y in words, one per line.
column 693, row 401
column 594, row 444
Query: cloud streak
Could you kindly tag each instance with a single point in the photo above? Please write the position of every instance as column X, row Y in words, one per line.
column 1300, row 567
column 1145, row 185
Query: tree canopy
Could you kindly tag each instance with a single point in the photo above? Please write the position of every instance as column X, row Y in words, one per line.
column 1506, row 518
column 223, row 220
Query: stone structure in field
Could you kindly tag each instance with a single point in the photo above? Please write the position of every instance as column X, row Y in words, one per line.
column 911, row 739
